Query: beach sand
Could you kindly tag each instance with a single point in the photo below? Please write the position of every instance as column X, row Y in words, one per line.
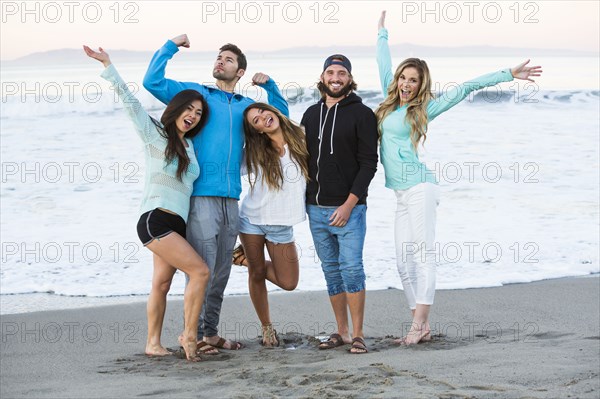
column 538, row 340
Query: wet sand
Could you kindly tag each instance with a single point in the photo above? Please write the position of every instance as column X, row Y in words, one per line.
column 538, row 340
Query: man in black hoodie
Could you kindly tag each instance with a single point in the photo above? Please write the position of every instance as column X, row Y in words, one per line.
column 341, row 135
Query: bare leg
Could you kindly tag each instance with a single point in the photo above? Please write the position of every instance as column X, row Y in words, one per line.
column 257, row 271
column 420, row 330
column 427, row 327
column 284, row 265
column 157, row 304
column 283, row 268
column 420, row 325
column 339, row 304
column 356, row 303
column 278, row 272
column 177, row 252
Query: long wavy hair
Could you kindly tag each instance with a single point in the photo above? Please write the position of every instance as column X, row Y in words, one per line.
column 416, row 113
column 262, row 156
column 175, row 148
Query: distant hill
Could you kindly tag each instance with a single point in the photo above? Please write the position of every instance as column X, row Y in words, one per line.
column 406, row 49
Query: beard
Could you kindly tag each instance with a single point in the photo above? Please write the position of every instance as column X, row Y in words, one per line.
column 335, row 94
column 222, row 75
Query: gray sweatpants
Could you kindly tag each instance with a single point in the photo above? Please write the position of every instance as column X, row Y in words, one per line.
column 212, row 230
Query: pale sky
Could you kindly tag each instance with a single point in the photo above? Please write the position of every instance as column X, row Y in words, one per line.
column 272, row 25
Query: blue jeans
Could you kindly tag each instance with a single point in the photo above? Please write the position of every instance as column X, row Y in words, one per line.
column 340, row 248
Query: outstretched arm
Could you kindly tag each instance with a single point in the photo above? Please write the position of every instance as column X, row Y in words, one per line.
column 155, row 82
column 140, row 118
column 274, row 96
column 384, row 58
column 454, row 96
column 100, row 55
column 523, row 72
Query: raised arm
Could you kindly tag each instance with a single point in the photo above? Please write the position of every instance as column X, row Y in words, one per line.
column 138, row 115
column 155, row 82
column 384, row 58
column 458, row 93
column 274, row 96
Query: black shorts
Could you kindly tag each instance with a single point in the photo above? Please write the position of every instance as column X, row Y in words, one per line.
column 157, row 224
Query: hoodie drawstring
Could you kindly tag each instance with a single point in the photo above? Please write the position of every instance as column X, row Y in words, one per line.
column 322, row 122
column 321, row 129
column 322, row 126
column 333, row 127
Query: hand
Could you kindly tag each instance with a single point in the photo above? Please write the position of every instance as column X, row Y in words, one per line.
column 340, row 217
column 260, row 78
column 101, row 56
column 381, row 20
column 522, row 71
column 181, row 41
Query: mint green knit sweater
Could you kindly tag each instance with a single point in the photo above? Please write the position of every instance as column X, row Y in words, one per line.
column 162, row 189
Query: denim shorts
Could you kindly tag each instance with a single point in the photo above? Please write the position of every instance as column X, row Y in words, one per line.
column 273, row 233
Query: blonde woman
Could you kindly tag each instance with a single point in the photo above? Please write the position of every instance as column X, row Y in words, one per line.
column 403, row 119
column 276, row 160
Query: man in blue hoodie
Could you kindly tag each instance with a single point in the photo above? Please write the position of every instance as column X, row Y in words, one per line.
column 213, row 220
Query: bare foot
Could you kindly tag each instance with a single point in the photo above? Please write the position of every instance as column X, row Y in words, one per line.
column 156, row 350
column 424, row 338
column 402, row 341
column 428, row 336
column 414, row 337
column 189, row 346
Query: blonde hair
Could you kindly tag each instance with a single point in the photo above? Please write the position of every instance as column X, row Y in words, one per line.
column 416, row 113
column 260, row 153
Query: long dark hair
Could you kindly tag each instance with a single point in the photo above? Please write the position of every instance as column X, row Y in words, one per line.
column 175, row 148
column 261, row 155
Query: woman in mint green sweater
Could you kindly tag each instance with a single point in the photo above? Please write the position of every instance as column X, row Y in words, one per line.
column 171, row 169
column 403, row 118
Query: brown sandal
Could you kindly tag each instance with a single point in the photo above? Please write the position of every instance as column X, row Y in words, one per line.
column 238, row 256
column 233, row 345
column 334, row 341
column 204, row 348
column 358, row 346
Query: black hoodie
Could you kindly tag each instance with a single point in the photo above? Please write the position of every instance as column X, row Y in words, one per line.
column 342, row 143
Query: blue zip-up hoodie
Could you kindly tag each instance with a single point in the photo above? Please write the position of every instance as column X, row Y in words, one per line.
column 219, row 146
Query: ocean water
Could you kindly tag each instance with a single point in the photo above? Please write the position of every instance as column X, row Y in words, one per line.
column 518, row 169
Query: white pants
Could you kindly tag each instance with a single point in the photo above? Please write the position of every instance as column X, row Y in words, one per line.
column 415, row 247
